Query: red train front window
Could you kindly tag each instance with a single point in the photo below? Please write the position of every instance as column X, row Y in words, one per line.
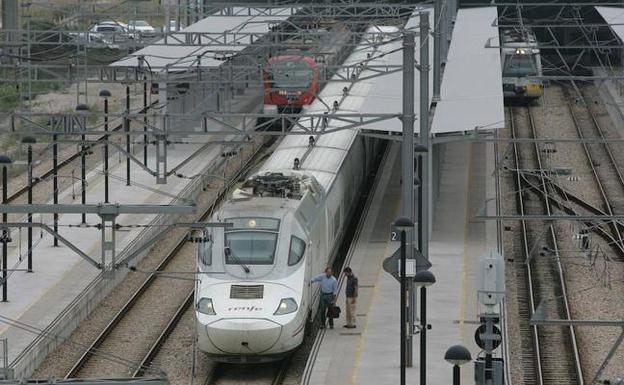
column 293, row 73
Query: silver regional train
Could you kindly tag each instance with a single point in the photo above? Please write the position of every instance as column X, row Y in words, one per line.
column 520, row 57
column 253, row 296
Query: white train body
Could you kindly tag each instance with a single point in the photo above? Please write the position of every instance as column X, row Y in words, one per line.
column 253, row 296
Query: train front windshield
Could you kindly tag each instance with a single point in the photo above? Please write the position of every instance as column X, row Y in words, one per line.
column 520, row 65
column 251, row 241
column 291, row 74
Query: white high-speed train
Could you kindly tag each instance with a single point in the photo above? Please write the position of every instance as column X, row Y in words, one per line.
column 253, row 295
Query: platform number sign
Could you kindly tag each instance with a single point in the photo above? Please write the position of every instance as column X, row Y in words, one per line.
column 395, row 234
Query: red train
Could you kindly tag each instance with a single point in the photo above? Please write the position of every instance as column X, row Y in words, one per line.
column 290, row 82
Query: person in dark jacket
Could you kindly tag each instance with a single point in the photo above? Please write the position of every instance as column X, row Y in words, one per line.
column 351, row 292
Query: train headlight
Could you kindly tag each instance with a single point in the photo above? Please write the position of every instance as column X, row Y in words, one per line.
column 286, row 306
column 205, row 306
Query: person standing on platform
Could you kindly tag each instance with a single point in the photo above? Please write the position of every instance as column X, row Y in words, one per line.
column 351, row 293
column 329, row 292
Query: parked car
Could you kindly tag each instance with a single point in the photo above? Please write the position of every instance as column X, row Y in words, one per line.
column 141, row 28
column 110, row 32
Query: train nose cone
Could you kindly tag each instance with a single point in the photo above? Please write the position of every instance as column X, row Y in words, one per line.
column 244, row 336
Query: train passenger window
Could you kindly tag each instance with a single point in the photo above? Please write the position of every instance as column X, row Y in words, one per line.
column 297, row 249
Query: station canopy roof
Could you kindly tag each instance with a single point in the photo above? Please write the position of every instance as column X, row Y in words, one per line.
column 386, row 94
column 615, row 18
column 471, row 95
column 175, row 56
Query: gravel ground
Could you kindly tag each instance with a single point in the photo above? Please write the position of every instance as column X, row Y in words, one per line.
column 513, row 262
column 152, row 312
column 589, row 295
column 177, row 355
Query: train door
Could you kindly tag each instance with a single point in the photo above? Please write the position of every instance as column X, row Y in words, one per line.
column 316, row 264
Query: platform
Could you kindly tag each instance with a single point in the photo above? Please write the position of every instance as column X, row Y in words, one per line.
column 54, row 293
column 474, row 102
column 369, row 354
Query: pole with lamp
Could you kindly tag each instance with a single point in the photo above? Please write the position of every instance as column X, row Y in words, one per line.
column 423, row 279
column 83, row 108
column 407, row 161
column 141, row 66
column 105, row 94
column 29, row 141
column 5, row 161
column 403, row 224
column 457, row 355
column 127, row 130
column 55, row 189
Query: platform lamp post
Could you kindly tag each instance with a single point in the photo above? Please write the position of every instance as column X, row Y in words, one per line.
column 127, row 130
column 5, row 161
column 423, row 279
column 55, row 189
column 457, row 355
column 82, row 108
column 105, row 94
column 420, row 150
column 29, row 140
column 403, row 224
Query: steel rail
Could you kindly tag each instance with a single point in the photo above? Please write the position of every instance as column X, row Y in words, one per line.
column 146, row 362
column 571, row 198
column 95, row 345
column 537, row 365
column 607, row 146
column 43, row 177
column 553, row 236
column 615, row 226
column 281, row 373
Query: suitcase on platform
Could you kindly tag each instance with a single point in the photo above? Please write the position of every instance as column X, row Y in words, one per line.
column 333, row 311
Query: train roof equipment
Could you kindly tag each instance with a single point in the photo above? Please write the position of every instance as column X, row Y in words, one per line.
column 285, row 184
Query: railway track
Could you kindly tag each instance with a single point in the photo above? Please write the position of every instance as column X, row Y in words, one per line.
column 605, row 170
column 156, row 307
column 264, row 374
column 550, row 355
